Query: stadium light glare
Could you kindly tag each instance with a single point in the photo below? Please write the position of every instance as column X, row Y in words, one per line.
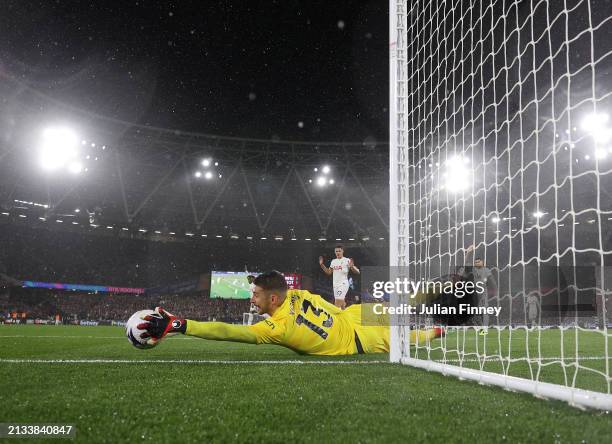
column 208, row 175
column 457, row 177
column 316, row 169
column 331, row 181
column 538, row 214
column 495, row 219
column 321, row 181
column 595, row 125
column 326, row 169
column 77, row 210
column 206, row 162
column 75, row 167
column 198, row 174
column 58, row 147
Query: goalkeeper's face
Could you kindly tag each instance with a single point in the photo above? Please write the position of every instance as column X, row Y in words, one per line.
column 266, row 301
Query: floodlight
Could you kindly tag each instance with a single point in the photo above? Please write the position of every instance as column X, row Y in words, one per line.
column 458, row 175
column 75, row 167
column 595, row 125
column 58, row 148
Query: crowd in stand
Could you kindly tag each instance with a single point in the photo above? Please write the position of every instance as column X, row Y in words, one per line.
column 41, row 254
column 53, row 256
column 72, row 306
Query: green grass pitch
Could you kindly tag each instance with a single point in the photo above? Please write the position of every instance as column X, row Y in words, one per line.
column 275, row 396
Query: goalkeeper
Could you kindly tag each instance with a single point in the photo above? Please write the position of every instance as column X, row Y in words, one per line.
column 299, row 320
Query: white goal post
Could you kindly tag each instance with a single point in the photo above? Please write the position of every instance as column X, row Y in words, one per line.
column 501, row 160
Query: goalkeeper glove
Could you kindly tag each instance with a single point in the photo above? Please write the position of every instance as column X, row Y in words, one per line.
column 161, row 324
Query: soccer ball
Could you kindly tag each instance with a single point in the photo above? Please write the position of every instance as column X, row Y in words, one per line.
column 133, row 332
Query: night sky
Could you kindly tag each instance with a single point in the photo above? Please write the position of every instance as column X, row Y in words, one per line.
column 298, row 70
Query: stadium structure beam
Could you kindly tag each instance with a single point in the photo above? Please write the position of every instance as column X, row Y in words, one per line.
column 53, row 205
column 278, row 196
column 155, row 189
column 309, row 199
column 368, row 198
column 250, row 193
column 337, row 198
column 117, row 159
column 194, row 211
column 219, row 194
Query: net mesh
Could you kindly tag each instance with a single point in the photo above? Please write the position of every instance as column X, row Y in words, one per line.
column 502, row 141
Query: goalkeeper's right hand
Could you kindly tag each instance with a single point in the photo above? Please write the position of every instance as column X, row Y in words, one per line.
column 161, row 324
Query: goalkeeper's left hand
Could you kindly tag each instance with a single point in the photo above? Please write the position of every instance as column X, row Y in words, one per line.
column 161, row 324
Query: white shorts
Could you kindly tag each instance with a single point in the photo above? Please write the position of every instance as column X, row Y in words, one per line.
column 340, row 291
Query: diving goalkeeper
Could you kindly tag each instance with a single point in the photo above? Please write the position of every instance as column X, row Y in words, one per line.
column 299, row 320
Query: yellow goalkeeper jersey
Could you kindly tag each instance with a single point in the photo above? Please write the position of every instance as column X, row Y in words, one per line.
column 306, row 323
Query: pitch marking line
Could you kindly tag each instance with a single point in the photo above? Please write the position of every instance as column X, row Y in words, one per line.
column 217, row 361
column 180, row 361
column 77, row 337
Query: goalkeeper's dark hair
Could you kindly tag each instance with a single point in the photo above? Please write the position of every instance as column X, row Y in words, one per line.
column 339, row 246
column 271, row 280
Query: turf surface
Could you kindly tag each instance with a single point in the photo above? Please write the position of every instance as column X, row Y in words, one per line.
column 347, row 399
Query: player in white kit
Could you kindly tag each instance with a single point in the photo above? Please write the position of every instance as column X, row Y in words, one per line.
column 340, row 268
column 533, row 309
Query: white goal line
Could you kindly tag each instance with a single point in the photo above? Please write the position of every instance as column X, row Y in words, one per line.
column 228, row 361
column 78, row 337
column 184, row 361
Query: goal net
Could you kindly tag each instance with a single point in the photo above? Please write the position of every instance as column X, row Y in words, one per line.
column 501, row 172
